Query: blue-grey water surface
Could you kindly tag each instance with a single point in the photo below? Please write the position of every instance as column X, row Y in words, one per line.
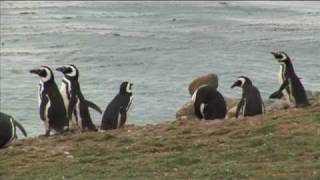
column 159, row 46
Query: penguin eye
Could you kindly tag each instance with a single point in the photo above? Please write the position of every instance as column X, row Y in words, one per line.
column 69, row 70
column 283, row 57
column 43, row 73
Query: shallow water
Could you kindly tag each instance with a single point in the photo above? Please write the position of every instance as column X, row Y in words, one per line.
column 159, row 46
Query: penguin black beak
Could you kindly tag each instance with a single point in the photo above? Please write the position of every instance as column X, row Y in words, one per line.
column 237, row 83
column 35, row 71
column 61, row 69
column 276, row 55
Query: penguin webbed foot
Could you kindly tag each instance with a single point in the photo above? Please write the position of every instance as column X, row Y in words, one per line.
column 276, row 95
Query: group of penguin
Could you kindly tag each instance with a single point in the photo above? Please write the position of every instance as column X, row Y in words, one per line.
column 209, row 104
column 61, row 110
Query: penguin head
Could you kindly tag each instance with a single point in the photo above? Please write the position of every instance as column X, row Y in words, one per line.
column 281, row 56
column 126, row 88
column 242, row 81
column 44, row 72
column 69, row 71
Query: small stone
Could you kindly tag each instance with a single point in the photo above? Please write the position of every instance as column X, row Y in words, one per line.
column 231, row 112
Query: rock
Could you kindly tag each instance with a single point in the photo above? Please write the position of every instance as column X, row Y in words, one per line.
column 231, row 102
column 273, row 105
column 313, row 96
column 231, row 112
column 223, row 3
column 27, row 13
column 210, row 79
column 186, row 112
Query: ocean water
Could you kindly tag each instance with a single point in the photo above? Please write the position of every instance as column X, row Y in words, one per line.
column 159, row 46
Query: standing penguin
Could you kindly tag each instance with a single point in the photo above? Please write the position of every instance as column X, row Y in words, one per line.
column 290, row 85
column 208, row 103
column 8, row 132
column 76, row 105
column 115, row 115
column 251, row 103
column 51, row 106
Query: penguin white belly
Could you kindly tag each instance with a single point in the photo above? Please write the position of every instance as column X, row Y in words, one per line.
column 63, row 91
column 202, row 106
column 129, row 104
column 46, row 112
column 79, row 118
column 244, row 106
column 40, row 90
column 291, row 97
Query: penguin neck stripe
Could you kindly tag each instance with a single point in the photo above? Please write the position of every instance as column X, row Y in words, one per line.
column 48, row 76
column 73, row 72
column 128, row 88
column 242, row 81
column 284, row 57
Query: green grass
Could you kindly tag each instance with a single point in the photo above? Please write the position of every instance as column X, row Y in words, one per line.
column 282, row 145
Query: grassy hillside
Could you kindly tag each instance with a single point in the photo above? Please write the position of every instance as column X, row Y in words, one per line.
column 283, row 145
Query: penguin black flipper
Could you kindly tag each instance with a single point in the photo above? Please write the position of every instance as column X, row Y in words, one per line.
column 279, row 94
column 276, row 95
column 93, row 106
column 284, row 85
column 43, row 105
column 72, row 103
column 17, row 124
column 123, row 116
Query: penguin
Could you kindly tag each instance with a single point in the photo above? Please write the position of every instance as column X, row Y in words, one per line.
column 116, row 113
column 51, row 106
column 76, row 105
column 251, row 103
column 290, row 85
column 8, row 132
column 208, row 103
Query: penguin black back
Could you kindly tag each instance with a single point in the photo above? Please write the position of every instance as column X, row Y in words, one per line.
column 251, row 102
column 290, row 84
column 115, row 115
column 208, row 103
column 8, row 129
